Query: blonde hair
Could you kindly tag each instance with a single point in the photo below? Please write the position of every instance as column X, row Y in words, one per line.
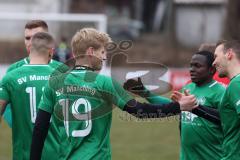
column 88, row 37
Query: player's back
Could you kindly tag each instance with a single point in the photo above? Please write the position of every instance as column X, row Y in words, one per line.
column 92, row 95
column 7, row 114
column 25, row 86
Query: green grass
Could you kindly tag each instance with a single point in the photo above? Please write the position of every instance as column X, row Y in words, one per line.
column 5, row 141
column 152, row 139
column 131, row 139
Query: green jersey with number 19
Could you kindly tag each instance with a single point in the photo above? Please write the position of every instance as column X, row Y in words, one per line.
column 230, row 117
column 23, row 88
column 81, row 104
column 201, row 139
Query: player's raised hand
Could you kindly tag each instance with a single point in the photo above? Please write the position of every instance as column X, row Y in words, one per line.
column 135, row 86
column 186, row 92
column 176, row 96
column 187, row 101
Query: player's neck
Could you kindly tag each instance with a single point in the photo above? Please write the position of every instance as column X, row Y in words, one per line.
column 38, row 61
column 202, row 83
column 83, row 62
column 233, row 70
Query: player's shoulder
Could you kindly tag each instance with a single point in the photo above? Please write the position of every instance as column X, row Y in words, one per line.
column 11, row 75
column 104, row 78
column 53, row 63
column 215, row 85
column 234, row 83
column 16, row 72
column 189, row 85
column 17, row 64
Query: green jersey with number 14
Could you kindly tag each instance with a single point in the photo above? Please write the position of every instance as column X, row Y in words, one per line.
column 23, row 88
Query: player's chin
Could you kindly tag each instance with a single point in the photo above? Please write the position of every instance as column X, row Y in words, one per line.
column 194, row 79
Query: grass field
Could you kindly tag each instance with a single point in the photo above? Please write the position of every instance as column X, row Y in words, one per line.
column 131, row 139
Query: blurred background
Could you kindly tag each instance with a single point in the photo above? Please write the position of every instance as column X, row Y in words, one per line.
column 166, row 32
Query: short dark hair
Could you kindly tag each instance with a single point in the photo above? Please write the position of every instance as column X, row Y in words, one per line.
column 231, row 44
column 42, row 42
column 35, row 24
column 209, row 57
column 221, row 41
column 210, row 47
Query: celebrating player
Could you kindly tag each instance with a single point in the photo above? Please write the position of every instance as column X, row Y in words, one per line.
column 206, row 137
column 31, row 28
column 81, row 103
column 23, row 88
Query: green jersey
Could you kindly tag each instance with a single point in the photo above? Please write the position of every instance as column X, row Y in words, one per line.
column 230, row 118
column 91, row 96
column 7, row 114
column 201, row 139
column 52, row 63
column 23, row 88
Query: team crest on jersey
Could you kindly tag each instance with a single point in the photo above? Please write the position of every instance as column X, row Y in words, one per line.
column 188, row 116
column 201, row 100
column 238, row 102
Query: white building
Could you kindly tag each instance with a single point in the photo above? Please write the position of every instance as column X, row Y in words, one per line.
column 12, row 29
column 199, row 21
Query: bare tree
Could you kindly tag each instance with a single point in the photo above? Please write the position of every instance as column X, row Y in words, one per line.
column 232, row 26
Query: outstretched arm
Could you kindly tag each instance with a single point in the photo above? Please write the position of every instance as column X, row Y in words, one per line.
column 137, row 87
column 39, row 134
column 208, row 113
column 205, row 112
column 3, row 105
column 145, row 110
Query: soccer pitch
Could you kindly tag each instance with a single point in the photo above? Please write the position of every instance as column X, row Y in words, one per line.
column 131, row 139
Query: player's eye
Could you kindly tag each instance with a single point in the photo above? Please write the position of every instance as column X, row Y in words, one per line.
column 27, row 38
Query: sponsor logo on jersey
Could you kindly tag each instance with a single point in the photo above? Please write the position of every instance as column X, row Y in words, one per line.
column 238, row 102
column 201, row 100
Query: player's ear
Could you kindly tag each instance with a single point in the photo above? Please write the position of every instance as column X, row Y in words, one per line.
column 229, row 54
column 50, row 53
column 29, row 48
column 90, row 51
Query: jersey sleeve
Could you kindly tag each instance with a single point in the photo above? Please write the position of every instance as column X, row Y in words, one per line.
column 116, row 93
column 5, row 88
column 11, row 67
column 234, row 98
column 47, row 101
column 16, row 65
column 156, row 99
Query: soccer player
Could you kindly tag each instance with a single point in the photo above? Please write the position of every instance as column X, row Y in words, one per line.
column 206, row 137
column 211, row 48
column 23, row 88
column 31, row 28
column 227, row 63
column 81, row 103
